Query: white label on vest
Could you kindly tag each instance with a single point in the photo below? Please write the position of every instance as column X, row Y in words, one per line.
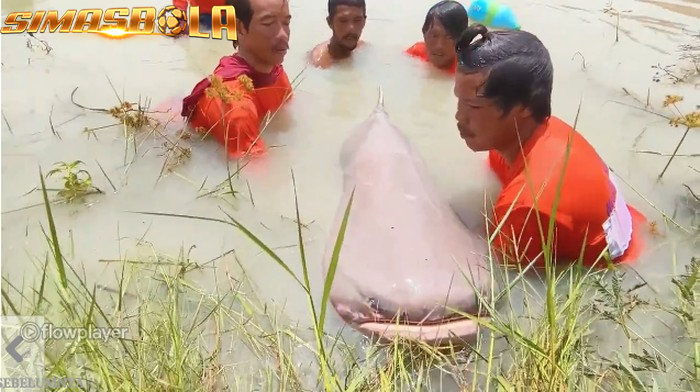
column 618, row 226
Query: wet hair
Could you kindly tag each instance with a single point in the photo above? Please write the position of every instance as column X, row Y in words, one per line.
column 244, row 13
column 519, row 67
column 452, row 16
column 333, row 4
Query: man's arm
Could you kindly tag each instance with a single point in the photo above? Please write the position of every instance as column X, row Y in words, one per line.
column 228, row 113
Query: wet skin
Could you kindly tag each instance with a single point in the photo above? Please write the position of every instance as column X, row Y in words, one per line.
column 265, row 42
column 439, row 45
column 483, row 125
column 347, row 25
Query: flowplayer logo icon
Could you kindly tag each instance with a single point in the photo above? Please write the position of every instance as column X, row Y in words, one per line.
column 122, row 22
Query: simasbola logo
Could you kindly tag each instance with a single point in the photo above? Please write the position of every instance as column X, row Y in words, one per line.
column 123, row 22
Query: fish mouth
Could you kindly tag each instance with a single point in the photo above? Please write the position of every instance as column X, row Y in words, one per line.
column 453, row 331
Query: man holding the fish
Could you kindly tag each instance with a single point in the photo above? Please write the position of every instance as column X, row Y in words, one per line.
column 549, row 172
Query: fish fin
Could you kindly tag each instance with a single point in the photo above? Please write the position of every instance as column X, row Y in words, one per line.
column 380, row 100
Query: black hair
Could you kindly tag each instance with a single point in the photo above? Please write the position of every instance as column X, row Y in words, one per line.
column 333, row 4
column 244, row 13
column 452, row 16
column 520, row 68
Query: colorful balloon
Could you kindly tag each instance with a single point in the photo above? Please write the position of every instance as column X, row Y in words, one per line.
column 493, row 14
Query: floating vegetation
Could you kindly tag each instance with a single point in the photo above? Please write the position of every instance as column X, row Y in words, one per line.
column 137, row 119
column 135, row 116
column 689, row 120
column 615, row 13
column 77, row 183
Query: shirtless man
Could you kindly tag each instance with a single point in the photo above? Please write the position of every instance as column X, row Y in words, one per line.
column 346, row 18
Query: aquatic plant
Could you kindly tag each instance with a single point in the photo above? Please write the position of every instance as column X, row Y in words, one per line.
column 77, row 183
column 689, row 121
column 614, row 12
column 689, row 63
column 676, row 118
column 137, row 118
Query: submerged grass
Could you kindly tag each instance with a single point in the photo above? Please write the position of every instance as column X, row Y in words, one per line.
column 180, row 337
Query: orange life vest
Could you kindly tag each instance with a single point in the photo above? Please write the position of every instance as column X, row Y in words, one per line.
column 591, row 213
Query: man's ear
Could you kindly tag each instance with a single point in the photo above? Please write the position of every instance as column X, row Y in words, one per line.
column 240, row 29
column 521, row 112
column 329, row 21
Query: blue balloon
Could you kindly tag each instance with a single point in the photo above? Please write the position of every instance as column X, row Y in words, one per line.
column 478, row 10
column 505, row 19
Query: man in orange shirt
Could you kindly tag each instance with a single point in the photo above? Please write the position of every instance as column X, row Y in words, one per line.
column 547, row 169
column 443, row 23
column 231, row 103
column 346, row 18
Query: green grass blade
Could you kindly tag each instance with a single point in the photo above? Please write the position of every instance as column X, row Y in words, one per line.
column 319, row 320
column 55, row 247
column 334, row 261
column 266, row 249
column 240, row 227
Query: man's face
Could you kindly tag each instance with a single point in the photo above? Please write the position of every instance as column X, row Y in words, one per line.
column 440, row 47
column 267, row 36
column 347, row 25
column 481, row 123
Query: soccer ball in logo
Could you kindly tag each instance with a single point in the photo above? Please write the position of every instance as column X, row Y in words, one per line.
column 171, row 21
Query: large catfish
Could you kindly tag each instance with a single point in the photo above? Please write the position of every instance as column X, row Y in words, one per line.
column 407, row 265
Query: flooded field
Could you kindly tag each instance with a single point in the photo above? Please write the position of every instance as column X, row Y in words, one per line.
column 617, row 60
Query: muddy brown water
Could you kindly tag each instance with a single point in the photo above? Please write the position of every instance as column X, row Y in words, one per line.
column 590, row 67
